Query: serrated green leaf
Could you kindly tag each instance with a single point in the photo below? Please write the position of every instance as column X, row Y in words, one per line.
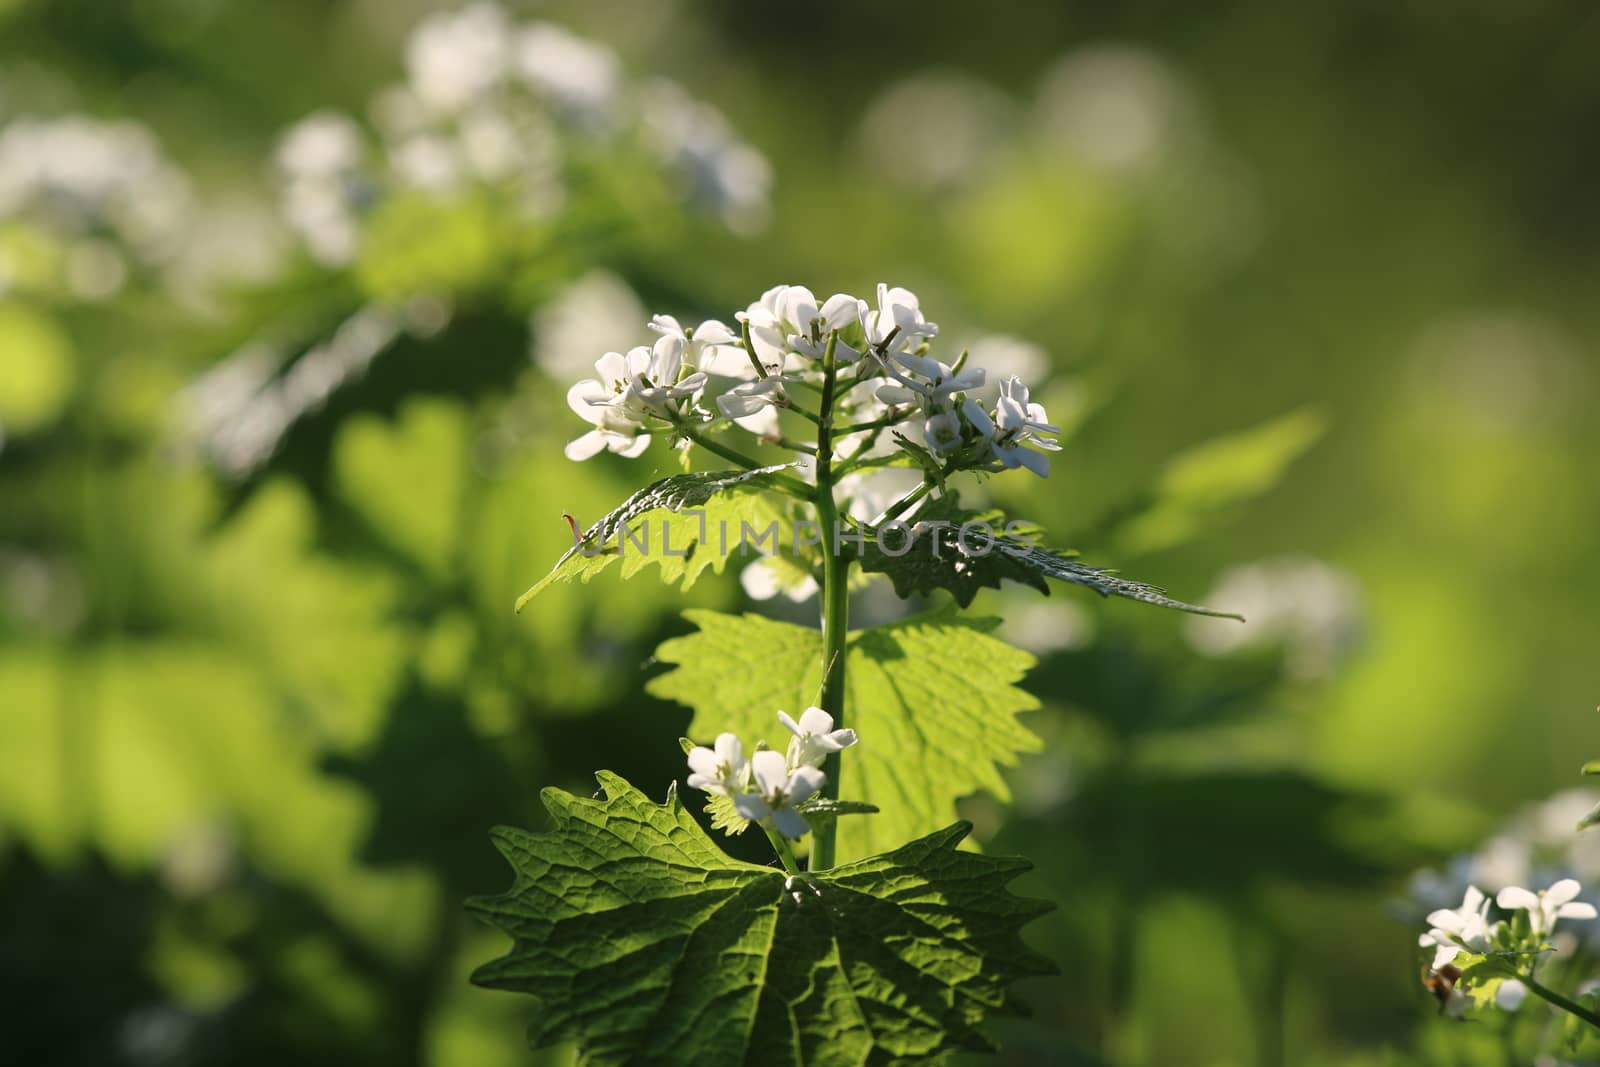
column 934, row 554
column 645, row 943
column 723, row 501
column 933, row 699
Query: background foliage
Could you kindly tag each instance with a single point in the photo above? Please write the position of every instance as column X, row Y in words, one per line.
column 254, row 724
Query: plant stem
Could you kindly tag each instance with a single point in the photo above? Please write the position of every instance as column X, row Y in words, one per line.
column 901, row 506
column 835, row 602
column 792, row 486
column 1571, row 1007
column 781, row 847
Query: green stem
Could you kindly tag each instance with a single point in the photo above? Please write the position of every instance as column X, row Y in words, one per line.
column 792, row 486
column 1571, row 1007
column 901, row 506
column 781, row 847
column 750, row 350
column 875, row 424
column 835, row 602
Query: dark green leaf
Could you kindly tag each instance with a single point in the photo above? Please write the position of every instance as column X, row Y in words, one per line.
column 645, row 943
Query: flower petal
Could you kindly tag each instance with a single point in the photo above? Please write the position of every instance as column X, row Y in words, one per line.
column 790, row 823
column 790, row 725
column 770, row 770
column 1515, row 898
column 590, row 444
column 815, row 721
column 1577, row 910
column 1563, row 891
column 803, row 783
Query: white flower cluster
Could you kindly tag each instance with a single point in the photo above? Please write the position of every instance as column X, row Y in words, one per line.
column 768, row 788
column 488, row 99
column 102, row 189
column 890, row 381
column 1467, row 928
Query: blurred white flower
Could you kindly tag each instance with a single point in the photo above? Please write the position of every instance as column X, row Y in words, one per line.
column 1309, row 608
column 324, row 144
column 778, row 792
column 1454, row 930
column 762, row 581
column 596, row 313
column 1546, row 906
column 81, row 177
column 453, row 58
column 723, row 174
column 1510, row 995
column 935, row 130
column 814, row 738
column 427, row 162
column 581, row 78
column 1118, row 107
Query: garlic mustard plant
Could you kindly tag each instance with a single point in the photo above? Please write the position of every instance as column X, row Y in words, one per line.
column 831, row 439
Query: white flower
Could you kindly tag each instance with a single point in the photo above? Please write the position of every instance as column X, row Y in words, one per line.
column 1455, row 930
column 814, row 737
column 942, row 432
column 662, row 384
column 602, row 401
column 898, row 313
column 703, row 345
column 927, row 380
column 748, row 398
column 721, row 769
column 1018, row 423
column 1548, row 905
column 787, row 319
column 778, row 792
column 452, row 58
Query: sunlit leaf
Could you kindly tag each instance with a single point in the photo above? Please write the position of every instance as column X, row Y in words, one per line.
column 683, row 524
column 933, row 698
column 644, row 942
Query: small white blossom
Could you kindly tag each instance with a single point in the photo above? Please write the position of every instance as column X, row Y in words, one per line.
column 778, row 792
column 1546, row 906
column 814, row 737
column 721, row 769
column 1454, row 930
column 1019, row 424
column 896, row 324
column 704, row 344
column 603, row 402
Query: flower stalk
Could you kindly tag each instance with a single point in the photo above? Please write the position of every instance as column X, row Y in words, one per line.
column 835, row 599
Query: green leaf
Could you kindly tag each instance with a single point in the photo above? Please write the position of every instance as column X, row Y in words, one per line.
column 645, row 943
column 932, row 697
column 930, row 552
column 1198, row 486
column 651, row 527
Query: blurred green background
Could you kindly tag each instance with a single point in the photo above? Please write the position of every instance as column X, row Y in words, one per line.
column 276, row 458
